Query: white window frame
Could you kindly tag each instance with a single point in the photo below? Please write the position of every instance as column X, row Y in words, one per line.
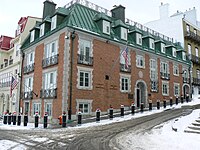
column 187, row 27
column 84, row 102
column 38, row 105
column 48, row 52
column 165, row 84
column 30, row 58
column 32, row 36
column 128, row 78
column 53, row 22
column 197, row 51
column 164, row 69
column 138, row 38
column 195, row 31
column 175, row 70
column 42, row 26
column 46, row 108
column 151, row 43
column 124, row 33
column 174, row 52
column 184, row 56
column 140, row 58
column 153, row 69
column 189, row 49
column 85, row 70
column 106, row 27
column 176, row 93
column 50, row 80
column 28, row 84
column 84, row 45
column 198, row 73
column 163, row 49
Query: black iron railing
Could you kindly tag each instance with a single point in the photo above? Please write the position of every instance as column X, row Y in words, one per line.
column 86, row 60
column 27, row 95
column 29, row 68
column 50, row 61
column 48, row 93
column 165, row 75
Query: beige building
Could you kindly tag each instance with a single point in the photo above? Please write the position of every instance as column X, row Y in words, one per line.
column 10, row 65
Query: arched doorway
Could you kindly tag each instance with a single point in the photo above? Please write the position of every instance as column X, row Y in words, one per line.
column 186, row 90
column 140, row 93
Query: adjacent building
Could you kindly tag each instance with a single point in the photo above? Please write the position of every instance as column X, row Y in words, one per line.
column 184, row 27
column 74, row 59
column 10, row 64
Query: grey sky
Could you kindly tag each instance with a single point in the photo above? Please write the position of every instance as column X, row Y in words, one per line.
column 140, row 11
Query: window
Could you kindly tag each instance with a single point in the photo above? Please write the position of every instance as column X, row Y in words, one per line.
column 32, row 36
column 138, row 39
column 176, row 89
column 184, row 56
column 123, row 33
column 151, row 43
column 174, row 52
column 197, row 51
column 106, row 27
column 42, row 29
column 189, row 49
column 50, row 80
column 28, row 85
column 195, row 31
column 30, row 58
column 164, row 67
column 17, row 50
column 140, row 61
column 198, row 74
column 53, row 22
column 153, row 69
column 122, row 58
column 36, row 108
column 26, row 107
column 187, row 28
column 84, row 108
column 165, row 88
column 163, row 50
column 84, row 78
column 48, row 109
column 51, row 49
column 125, row 83
column 85, row 50
column 176, row 70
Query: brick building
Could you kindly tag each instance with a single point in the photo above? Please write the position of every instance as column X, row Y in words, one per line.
column 97, row 77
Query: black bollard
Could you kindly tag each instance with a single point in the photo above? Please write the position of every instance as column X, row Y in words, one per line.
column 132, row 109
column 181, row 98
column 122, row 110
column 79, row 118
column 36, row 120
column 111, row 113
column 158, row 104
column 25, row 119
column 142, row 107
column 177, row 100
column 150, row 105
column 187, row 98
column 171, row 102
column 19, row 119
column 45, row 120
column 64, row 119
column 164, row 103
column 14, row 118
column 5, row 119
column 9, row 119
column 98, row 114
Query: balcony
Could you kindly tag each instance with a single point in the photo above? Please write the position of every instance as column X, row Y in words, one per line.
column 186, row 80
column 196, row 81
column 194, row 58
column 50, row 61
column 165, row 75
column 123, row 68
column 29, row 68
column 86, row 60
column 5, row 84
column 6, row 64
column 27, row 95
column 192, row 36
column 48, row 93
column 154, row 86
column 10, row 61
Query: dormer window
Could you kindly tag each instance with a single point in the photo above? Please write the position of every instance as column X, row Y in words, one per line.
column 41, row 29
column 163, row 50
column 106, row 27
column 184, row 56
column 151, row 43
column 174, row 52
column 32, row 36
column 138, row 39
column 53, row 22
column 123, row 33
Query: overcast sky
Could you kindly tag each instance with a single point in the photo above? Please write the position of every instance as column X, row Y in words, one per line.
column 140, row 11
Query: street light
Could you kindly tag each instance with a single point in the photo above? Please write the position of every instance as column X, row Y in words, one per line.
column 73, row 36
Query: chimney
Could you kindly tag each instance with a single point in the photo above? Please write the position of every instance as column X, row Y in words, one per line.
column 164, row 10
column 119, row 13
column 48, row 9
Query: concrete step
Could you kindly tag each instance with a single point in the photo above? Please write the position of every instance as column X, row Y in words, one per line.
column 187, row 130
column 197, row 120
column 196, row 124
column 194, row 127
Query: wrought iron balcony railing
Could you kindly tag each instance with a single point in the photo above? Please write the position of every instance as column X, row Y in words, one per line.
column 48, row 93
column 27, row 95
column 194, row 58
column 123, row 68
column 191, row 35
column 50, row 61
column 10, row 61
column 29, row 68
column 196, row 81
column 165, row 75
column 154, row 86
column 86, row 60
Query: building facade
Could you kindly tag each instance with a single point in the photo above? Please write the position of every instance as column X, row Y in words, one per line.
column 76, row 62
column 184, row 27
column 11, row 66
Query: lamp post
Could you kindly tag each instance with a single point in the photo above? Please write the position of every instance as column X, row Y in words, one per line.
column 73, row 36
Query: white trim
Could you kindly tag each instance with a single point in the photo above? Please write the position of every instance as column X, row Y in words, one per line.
column 166, row 83
column 129, row 82
column 84, row 101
